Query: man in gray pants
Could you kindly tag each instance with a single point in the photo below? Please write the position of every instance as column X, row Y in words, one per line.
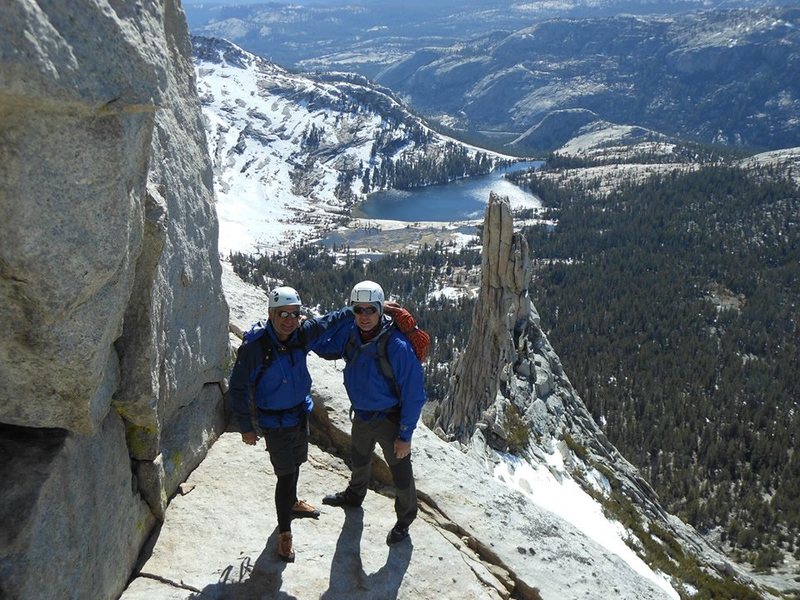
column 386, row 410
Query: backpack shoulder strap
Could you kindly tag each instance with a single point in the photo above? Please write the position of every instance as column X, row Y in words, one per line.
column 352, row 347
column 382, row 346
column 258, row 336
column 266, row 357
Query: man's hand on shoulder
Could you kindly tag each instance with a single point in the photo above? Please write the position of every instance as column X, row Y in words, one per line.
column 404, row 319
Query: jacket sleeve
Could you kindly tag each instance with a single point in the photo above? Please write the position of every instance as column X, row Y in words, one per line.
column 410, row 379
column 327, row 335
column 239, row 386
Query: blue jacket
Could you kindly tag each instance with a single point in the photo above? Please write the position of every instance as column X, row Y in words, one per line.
column 283, row 395
column 369, row 390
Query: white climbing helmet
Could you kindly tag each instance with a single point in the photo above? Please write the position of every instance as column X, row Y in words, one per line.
column 283, row 296
column 367, row 291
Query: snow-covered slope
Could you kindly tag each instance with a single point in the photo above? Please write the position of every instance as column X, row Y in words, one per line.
column 291, row 153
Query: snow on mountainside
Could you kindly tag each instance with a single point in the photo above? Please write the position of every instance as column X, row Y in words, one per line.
column 583, row 133
column 293, row 153
column 787, row 159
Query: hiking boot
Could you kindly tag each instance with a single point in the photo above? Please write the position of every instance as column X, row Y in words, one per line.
column 303, row 510
column 285, row 551
column 345, row 498
column 397, row 534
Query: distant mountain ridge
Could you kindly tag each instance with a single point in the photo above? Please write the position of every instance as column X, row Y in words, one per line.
column 369, row 36
column 712, row 76
column 730, row 77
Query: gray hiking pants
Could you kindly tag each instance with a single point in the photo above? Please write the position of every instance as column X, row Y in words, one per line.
column 384, row 432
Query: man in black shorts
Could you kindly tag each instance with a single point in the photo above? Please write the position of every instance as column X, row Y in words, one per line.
column 270, row 390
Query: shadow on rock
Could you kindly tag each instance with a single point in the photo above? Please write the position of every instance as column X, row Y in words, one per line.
column 249, row 580
column 349, row 580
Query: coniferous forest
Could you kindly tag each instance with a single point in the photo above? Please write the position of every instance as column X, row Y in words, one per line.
column 673, row 305
column 674, row 308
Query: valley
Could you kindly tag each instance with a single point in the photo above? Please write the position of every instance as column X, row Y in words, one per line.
column 323, row 164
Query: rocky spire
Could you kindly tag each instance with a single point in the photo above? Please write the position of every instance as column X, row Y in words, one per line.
column 509, row 390
column 500, row 317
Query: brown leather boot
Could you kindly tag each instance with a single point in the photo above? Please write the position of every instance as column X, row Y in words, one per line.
column 303, row 509
column 285, row 551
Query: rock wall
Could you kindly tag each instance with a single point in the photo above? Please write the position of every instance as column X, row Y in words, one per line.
column 114, row 322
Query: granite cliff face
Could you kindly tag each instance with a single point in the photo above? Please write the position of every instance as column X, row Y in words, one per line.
column 114, row 322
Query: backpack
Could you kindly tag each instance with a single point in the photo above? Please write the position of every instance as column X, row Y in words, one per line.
column 257, row 333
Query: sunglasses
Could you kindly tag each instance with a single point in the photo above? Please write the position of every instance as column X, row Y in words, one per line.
column 365, row 310
column 285, row 314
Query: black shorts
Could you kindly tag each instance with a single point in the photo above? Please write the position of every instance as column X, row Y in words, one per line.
column 287, row 447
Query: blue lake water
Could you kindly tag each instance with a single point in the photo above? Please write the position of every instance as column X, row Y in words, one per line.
column 457, row 201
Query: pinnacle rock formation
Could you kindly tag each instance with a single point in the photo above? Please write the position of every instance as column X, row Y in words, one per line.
column 501, row 315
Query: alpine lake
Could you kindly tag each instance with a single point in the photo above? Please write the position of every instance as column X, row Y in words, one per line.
column 437, row 213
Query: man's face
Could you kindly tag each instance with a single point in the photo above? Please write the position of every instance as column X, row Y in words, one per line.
column 367, row 316
column 285, row 325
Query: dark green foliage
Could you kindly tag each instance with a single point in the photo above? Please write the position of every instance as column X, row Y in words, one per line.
column 768, row 558
column 517, row 430
column 576, row 448
column 410, row 170
column 311, row 137
column 673, row 305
